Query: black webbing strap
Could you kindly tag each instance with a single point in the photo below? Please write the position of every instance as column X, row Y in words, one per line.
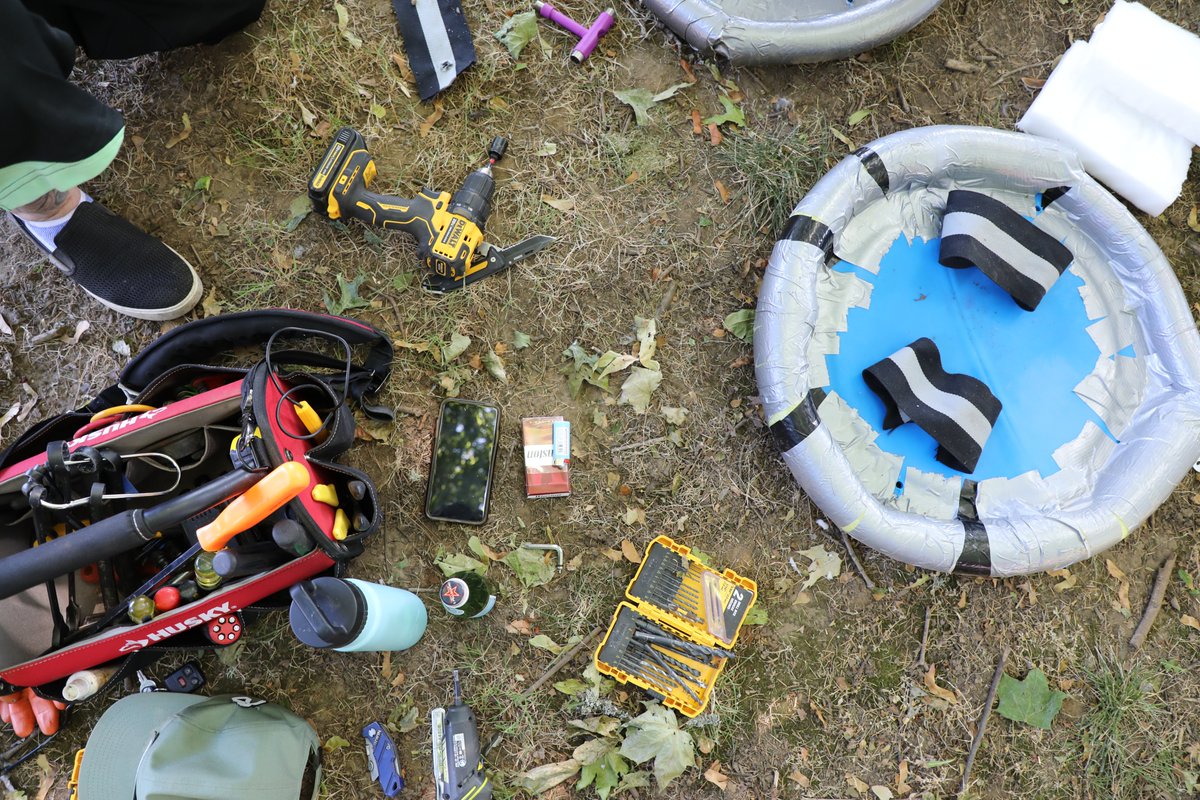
column 437, row 41
column 1022, row 259
column 958, row 411
column 204, row 340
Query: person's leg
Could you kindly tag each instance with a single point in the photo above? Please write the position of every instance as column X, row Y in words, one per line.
column 54, row 137
column 127, row 28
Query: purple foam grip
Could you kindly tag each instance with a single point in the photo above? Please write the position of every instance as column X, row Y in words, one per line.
column 588, row 37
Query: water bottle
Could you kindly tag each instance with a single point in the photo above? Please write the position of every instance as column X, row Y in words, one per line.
column 355, row 616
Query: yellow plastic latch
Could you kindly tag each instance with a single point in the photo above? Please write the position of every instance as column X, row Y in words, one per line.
column 73, row 781
column 237, row 440
column 325, row 493
column 309, row 418
column 341, row 525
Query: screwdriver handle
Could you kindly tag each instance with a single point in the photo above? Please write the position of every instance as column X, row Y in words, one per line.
column 260, row 501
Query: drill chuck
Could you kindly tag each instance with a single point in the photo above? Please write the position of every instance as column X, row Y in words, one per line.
column 474, row 198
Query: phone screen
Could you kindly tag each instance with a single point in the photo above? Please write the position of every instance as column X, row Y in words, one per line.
column 460, row 478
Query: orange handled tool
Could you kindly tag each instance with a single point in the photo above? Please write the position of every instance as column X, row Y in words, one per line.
column 254, row 505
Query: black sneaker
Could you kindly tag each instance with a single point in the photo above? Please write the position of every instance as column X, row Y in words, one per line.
column 122, row 266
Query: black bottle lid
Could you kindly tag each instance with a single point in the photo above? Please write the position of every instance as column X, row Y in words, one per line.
column 327, row 612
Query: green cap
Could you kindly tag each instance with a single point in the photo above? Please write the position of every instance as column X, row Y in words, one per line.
column 168, row 746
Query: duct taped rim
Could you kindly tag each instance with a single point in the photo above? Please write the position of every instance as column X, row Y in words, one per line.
column 896, row 183
column 708, row 28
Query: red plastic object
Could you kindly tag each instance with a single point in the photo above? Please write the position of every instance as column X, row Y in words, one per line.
column 224, row 630
column 166, row 598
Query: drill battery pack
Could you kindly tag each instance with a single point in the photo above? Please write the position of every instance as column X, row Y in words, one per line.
column 675, row 632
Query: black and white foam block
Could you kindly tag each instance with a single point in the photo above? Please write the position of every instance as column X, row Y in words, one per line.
column 437, row 40
column 958, row 411
column 1022, row 259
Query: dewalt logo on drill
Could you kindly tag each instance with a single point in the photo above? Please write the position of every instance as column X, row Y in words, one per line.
column 454, row 234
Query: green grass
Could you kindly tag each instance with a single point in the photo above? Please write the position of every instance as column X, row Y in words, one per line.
column 774, row 169
column 1124, row 757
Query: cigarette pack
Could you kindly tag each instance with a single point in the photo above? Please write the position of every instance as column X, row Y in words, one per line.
column 547, row 456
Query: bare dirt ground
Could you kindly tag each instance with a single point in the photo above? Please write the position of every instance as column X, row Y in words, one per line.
column 827, row 699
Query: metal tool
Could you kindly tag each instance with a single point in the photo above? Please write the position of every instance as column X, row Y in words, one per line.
column 448, row 229
column 457, row 762
column 381, row 756
column 146, row 683
column 589, row 37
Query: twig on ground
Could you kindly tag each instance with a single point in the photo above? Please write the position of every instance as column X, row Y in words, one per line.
column 958, row 65
column 862, row 573
column 645, row 443
column 47, row 335
column 924, row 639
column 1022, row 68
column 666, row 300
column 562, row 661
column 1154, row 604
column 983, row 720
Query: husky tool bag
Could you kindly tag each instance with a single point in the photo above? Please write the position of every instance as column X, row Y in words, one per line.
column 103, row 507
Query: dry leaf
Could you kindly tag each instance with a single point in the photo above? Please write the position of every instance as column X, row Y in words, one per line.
column 1068, row 580
column 632, row 177
column 687, row 70
column 635, row 516
column 211, row 305
column 1033, row 83
column 183, row 134
column 697, row 125
column 613, row 555
column 386, row 668
column 722, row 191
column 1122, row 603
column 714, row 776
column 405, row 71
column 902, row 787
column 800, row 779
column 432, row 119
column 857, row 785
column 1190, row 621
column 521, row 627
column 938, row 691
column 714, row 134
column 631, row 552
column 882, row 792
column 565, row 204
column 704, row 744
column 81, row 328
column 962, row 599
column 1194, row 219
column 1114, row 570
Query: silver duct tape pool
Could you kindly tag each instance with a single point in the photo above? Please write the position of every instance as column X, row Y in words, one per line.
column 789, row 31
column 1025, row 523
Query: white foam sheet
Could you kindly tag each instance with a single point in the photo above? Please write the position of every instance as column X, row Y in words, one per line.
column 1151, row 64
column 1138, row 158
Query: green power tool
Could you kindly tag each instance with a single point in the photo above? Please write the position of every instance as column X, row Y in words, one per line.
column 457, row 760
column 448, row 229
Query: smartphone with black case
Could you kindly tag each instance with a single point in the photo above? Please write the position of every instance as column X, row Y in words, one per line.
column 464, row 453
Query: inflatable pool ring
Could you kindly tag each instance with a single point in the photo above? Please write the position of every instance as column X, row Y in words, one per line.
column 1098, row 386
column 789, row 31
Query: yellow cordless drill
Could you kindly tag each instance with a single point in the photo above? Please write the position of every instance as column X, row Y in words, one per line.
column 448, row 229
